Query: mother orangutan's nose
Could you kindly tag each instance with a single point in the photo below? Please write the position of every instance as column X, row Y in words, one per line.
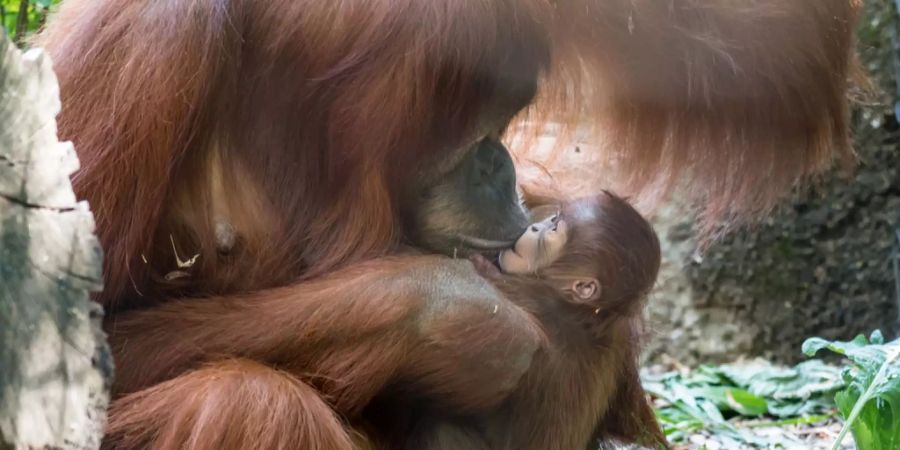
column 490, row 159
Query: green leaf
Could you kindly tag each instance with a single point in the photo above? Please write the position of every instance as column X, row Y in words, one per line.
column 745, row 403
column 812, row 345
column 733, row 399
column 871, row 402
column 803, row 389
column 792, row 408
column 696, row 401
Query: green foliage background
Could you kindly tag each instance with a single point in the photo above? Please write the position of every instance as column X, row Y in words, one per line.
column 35, row 14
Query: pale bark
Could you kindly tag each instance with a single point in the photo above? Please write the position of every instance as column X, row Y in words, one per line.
column 55, row 366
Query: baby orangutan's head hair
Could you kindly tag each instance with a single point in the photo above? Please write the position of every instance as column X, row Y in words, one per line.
column 608, row 240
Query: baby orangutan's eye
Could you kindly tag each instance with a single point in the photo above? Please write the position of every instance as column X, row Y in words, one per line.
column 534, row 228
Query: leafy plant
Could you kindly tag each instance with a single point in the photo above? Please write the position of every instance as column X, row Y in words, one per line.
column 20, row 17
column 721, row 400
column 870, row 403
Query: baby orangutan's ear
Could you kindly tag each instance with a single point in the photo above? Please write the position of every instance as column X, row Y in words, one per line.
column 585, row 290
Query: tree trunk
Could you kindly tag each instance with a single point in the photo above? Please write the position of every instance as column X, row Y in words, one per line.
column 55, row 366
column 22, row 21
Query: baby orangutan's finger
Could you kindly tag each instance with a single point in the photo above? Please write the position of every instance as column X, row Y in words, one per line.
column 484, row 266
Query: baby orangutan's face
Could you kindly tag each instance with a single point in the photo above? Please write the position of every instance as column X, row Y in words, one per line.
column 540, row 245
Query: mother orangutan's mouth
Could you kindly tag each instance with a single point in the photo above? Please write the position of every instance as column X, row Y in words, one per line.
column 485, row 244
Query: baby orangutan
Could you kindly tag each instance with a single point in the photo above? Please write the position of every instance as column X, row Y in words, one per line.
column 585, row 274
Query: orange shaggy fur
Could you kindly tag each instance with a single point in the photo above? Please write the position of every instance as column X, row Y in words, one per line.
column 303, row 122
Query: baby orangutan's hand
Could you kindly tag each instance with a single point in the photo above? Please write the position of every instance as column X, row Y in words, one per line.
column 484, row 267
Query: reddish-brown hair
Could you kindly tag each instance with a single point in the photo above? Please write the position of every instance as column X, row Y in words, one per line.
column 301, row 123
column 585, row 382
column 609, row 240
column 325, row 108
column 736, row 103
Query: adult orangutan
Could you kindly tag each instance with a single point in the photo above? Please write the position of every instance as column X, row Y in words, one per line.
column 251, row 165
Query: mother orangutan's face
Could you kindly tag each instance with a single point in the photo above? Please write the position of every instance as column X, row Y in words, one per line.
column 472, row 208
